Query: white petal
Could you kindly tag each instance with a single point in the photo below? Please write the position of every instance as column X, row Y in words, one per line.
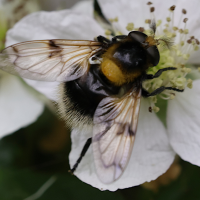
column 151, row 157
column 18, row 106
column 64, row 24
column 84, row 7
column 183, row 123
column 49, row 89
column 127, row 11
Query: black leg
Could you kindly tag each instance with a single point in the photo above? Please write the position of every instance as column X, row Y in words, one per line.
column 120, row 37
column 83, row 152
column 158, row 91
column 102, row 39
column 158, row 73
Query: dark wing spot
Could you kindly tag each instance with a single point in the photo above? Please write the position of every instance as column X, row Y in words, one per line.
column 52, row 44
column 131, row 132
column 15, row 50
column 123, row 127
column 55, row 47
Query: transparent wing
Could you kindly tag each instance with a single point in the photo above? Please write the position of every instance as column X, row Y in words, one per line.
column 49, row 60
column 115, row 125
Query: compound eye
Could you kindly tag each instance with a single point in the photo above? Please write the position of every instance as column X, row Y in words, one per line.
column 154, row 55
column 137, row 36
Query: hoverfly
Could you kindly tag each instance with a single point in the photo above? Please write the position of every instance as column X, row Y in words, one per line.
column 101, row 86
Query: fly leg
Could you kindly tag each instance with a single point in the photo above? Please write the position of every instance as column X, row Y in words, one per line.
column 119, row 37
column 160, row 89
column 158, row 73
column 103, row 39
column 83, row 152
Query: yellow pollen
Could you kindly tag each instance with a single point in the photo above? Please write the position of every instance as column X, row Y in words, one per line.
column 175, row 28
column 154, row 99
column 168, row 19
column 190, row 83
column 130, row 27
column 155, row 109
column 159, row 22
column 107, row 32
column 180, row 30
column 114, row 20
column 172, row 96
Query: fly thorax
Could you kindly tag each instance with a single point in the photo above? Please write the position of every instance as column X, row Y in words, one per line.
column 132, row 57
column 123, row 62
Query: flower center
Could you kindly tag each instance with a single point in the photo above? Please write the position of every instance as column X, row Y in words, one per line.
column 175, row 55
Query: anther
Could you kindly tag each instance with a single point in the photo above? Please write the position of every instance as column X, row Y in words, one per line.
column 107, row 32
column 148, row 21
column 189, row 85
column 185, row 20
column 175, row 28
column 141, row 29
column 182, row 43
column 156, row 109
column 180, row 30
column 149, row 3
column 197, row 41
column 184, row 11
column 150, row 109
column 189, row 41
column 172, row 8
column 168, row 19
column 172, row 96
column 116, row 19
column 152, row 9
column 192, row 37
column 159, row 22
column 130, row 27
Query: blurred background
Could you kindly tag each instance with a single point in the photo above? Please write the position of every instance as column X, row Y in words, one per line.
column 34, row 160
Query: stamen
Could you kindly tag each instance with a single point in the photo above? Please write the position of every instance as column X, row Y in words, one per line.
column 152, row 9
column 185, row 20
column 190, row 83
column 168, row 19
column 141, row 29
column 108, row 32
column 172, row 96
column 172, row 8
column 184, row 11
column 149, row 3
column 156, row 109
column 130, row 27
column 114, row 20
column 148, row 21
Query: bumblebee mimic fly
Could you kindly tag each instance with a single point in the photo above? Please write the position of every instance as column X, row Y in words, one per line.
column 101, row 86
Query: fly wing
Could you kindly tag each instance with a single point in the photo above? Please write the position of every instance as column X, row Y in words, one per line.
column 49, row 60
column 115, row 125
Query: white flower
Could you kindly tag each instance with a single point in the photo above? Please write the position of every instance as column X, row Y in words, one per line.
column 155, row 147
column 19, row 104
